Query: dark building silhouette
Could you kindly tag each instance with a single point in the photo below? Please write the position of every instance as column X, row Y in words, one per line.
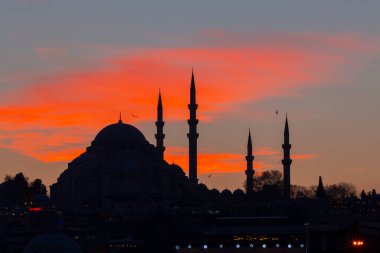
column 193, row 135
column 121, row 172
column 120, row 195
column 250, row 171
column 160, row 128
column 286, row 161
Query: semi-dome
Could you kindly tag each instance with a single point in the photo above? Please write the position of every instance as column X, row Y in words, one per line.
column 226, row 193
column 215, row 193
column 238, row 193
column 176, row 169
column 214, row 190
column 202, row 187
column 52, row 243
column 119, row 132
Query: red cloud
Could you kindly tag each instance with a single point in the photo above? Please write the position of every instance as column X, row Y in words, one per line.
column 265, row 151
column 90, row 98
column 223, row 76
column 211, row 163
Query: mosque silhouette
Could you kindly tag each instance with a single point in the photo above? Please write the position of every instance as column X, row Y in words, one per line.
column 121, row 172
column 121, row 195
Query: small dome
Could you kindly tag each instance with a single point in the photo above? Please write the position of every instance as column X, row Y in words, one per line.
column 226, row 193
column 202, row 187
column 215, row 191
column 118, row 133
column 52, row 243
column 176, row 169
column 238, row 193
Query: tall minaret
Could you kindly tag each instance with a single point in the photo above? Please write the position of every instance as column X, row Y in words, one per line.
column 286, row 161
column 250, row 171
column 160, row 128
column 193, row 135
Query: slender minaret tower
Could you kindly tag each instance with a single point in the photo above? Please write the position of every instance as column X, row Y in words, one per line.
column 160, row 128
column 193, row 135
column 286, row 161
column 250, row 171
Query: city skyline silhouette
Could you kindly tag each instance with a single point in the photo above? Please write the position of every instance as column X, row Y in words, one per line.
column 120, row 192
column 241, row 124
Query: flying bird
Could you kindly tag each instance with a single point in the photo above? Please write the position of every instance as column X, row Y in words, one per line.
column 134, row 116
column 276, row 112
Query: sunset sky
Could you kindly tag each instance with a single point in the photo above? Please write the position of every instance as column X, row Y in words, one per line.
column 67, row 68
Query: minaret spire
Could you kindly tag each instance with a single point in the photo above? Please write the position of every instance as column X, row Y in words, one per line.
column 193, row 135
column 286, row 162
column 120, row 121
column 160, row 128
column 250, row 171
column 192, row 89
column 286, row 130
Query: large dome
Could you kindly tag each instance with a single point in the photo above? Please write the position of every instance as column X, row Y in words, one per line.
column 119, row 132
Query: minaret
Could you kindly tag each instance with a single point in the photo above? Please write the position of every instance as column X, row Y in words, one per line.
column 193, row 135
column 286, row 161
column 160, row 128
column 250, row 171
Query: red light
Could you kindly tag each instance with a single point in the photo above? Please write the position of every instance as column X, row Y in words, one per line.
column 35, row 209
column 357, row 243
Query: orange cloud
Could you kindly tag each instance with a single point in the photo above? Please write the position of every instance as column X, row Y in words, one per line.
column 130, row 84
column 48, row 145
column 265, row 151
column 212, row 163
column 87, row 99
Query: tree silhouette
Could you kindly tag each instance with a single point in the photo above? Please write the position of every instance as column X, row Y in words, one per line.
column 20, row 188
column 301, row 192
column 268, row 184
column 17, row 190
column 337, row 193
column 37, row 187
column 266, row 178
column 363, row 195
